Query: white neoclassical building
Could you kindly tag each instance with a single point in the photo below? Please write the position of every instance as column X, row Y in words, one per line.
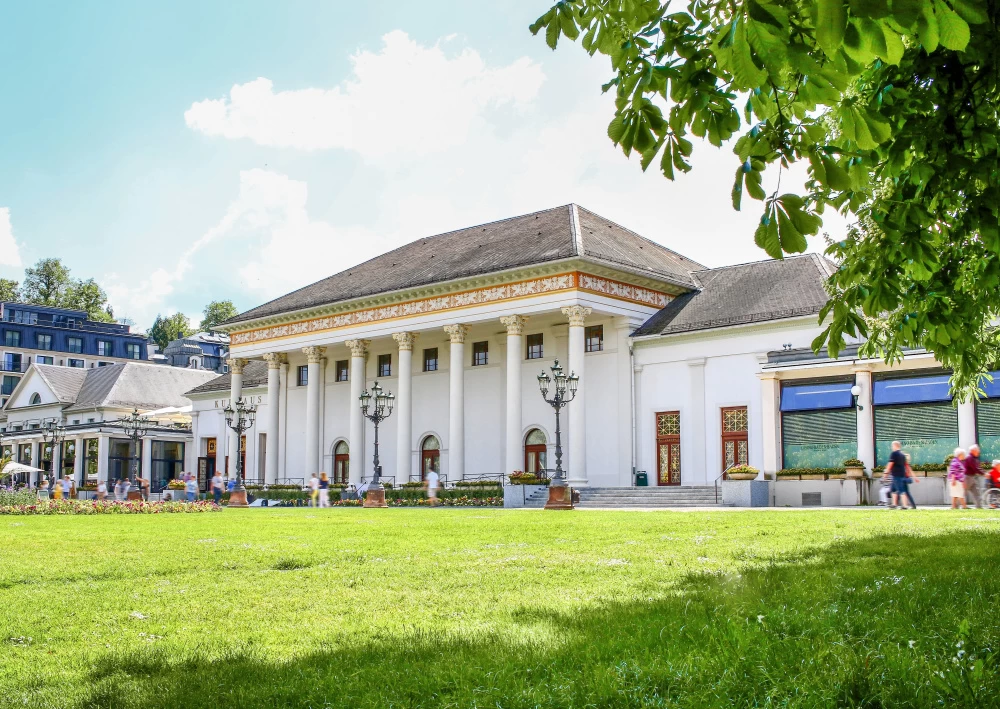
column 683, row 369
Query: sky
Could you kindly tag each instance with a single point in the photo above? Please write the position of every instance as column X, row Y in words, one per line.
column 186, row 152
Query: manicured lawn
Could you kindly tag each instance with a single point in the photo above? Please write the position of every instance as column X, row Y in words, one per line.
column 494, row 608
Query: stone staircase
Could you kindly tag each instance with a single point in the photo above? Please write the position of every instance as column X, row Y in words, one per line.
column 680, row 496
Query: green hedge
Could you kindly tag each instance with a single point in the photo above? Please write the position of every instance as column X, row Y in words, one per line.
column 469, row 484
column 787, row 472
column 920, row 467
column 445, row 494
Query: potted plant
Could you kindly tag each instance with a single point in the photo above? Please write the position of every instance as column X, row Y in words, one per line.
column 855, row 468
column 837, row 474
column 742, row 472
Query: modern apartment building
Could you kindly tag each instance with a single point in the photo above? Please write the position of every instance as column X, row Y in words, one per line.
column 60, row 337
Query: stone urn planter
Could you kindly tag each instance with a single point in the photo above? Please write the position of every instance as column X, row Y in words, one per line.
column 809, row 476
column 742, row 472
column 855, row 469
column 742, row 476
column 837, row 476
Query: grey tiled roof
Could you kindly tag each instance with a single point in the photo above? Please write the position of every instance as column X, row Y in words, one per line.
column 488, row 248
column 142, row 386
column 254, row 375
column 747, row 293
column 65, row 382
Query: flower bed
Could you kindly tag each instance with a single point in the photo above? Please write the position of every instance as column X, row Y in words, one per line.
column 463, row 501
column 519, row 478
column 93, row 507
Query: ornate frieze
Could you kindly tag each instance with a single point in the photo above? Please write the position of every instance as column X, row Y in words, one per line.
column 471, row 298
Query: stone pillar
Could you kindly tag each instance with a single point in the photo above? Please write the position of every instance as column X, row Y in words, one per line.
column 146, row 459
column 359, row 350
column 192, row 450
column 770, row 413
column 80, row 462
column 694, row 464
column 313, row 388
column 103, row 448
column 967, row 425
column 866, row 418
column 515, row 328
column 404, row 406
column 577, row 409
column 274, row 361
column 456, row 402
column 236, row 366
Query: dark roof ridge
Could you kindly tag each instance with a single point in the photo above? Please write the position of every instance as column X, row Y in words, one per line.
column 681, row 257
column 754, row 263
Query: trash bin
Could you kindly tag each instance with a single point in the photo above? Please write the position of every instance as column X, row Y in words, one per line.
column 641, row 479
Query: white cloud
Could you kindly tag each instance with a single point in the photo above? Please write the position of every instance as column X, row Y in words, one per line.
column 10, row 253
column 405, row 100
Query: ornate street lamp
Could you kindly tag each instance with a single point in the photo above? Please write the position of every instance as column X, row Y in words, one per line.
column 53, row 434
column 563, row 391
column 136, row 426
column 240, row 418
column 384, row 401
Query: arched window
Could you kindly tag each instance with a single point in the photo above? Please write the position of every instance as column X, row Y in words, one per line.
column 534, row 451
column 341, row 463
column 36, row 398
column 430, row 456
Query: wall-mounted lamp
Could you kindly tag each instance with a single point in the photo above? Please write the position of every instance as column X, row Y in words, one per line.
column 856, row 392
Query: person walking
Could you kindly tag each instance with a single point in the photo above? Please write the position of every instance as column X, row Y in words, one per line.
column 119, row 486
column 67, row 486
column 218, row 484
column 144, row 487
column 191, row 488
column 324, row 490
column 102, row 490
column 433, row 482
column 956, row 480
column 973, row 477
column 314, row 491
column 57, row 490
column 898, row 468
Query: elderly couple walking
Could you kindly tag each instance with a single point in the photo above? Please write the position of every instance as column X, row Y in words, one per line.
column 965, row 478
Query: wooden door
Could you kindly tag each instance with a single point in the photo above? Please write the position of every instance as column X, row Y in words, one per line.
column 668, row 448
column 431, row 460
column 735, row 445
column 341, row 468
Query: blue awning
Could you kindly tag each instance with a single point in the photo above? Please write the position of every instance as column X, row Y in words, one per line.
column 992, row 389
column 913, row 390
column 812, row 397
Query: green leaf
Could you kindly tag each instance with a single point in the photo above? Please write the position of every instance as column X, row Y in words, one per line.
column 870, row 8
column 792, row 242
column 831, row 21
column 759, row 13
column 737, row 192
column 552, row 33
column 649, row 155
column 836, row 176
column 745, row 72
column 880, row 130
column 906, row 12
column 766, row 236
column 616, row 129
column 753, row 185
column 927, row 29
column 972, row 11
column 667, row 165
column 952, row 29
column 893, row 45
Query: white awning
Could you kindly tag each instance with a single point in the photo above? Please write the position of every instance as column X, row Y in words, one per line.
column 13, row 468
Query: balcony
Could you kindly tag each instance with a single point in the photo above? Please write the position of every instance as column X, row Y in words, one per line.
column 19, row 367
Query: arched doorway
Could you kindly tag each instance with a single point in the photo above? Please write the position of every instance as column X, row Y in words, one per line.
column 430, row 456
column 535, row 448
column 341, row 463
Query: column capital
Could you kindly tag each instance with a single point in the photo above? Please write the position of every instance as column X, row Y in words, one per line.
column 457, row 333
column 275, row 359
column 359, row 348
column 514, row 323
column 405, row 340
column 314, row 354
column 237, row 364
column 576, row 314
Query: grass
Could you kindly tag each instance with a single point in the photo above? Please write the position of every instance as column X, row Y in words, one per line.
column 494, row 608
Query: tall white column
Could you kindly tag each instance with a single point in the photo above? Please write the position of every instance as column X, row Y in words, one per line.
column 359, row 350
column 577, row 409
column 103, row 448
column 770, row 412
column 866, row 418
column 313, row 387
column 146, row 460
column 456, row 401
column 236, row 366
column 515, row 355
column 192, row 449
column 274, row 361
column 694, row 463
column 80, row 461
column 966, row 424
column 404, row 407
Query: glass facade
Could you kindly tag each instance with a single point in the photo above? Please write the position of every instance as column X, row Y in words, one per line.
column 167, row 463
column 122, row 458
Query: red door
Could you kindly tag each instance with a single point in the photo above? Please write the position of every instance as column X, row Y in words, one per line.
column 668, row 448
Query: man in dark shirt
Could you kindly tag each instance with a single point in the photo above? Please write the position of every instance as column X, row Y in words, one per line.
column 973, row 477
column 900, row 479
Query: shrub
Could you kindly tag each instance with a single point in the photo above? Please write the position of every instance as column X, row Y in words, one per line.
column 478, row 483
column 519, row 478
column 95, row 507
column 786, row 472
column 853, row 463
column 412, row 485
column 11, row 498
column 741, row 469
column 172, row 485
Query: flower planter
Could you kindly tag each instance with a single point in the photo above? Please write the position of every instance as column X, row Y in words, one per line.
column 837, row 476
column 742, row 476
column 855, row 473
column 812, row 477
column 789, row 477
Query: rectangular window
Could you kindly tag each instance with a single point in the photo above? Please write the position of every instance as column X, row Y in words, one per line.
column 167, row 461
column 534, row 346
column 12, row 338
column 385, row 365
column 44, row 342
column 431, row 359
column 104, row 364
column 8, row 385
column 303, row 375
column 342, row 369
column 43, row 359
column 12, row 362
column 90, row 447
column 105, row 348
column 74, row 345
column 78, row 363
column 480, row 353
column 593, row 338
column 132, row 350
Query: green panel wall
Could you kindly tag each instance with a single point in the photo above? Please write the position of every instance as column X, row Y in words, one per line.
column 928, row 432
column 988, row 429
column 819, row 439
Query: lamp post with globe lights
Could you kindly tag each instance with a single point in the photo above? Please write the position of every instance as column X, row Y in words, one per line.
column 382, row 409
column 53, row 434
column 563, row 391
column 240, row 416
column 136, row 426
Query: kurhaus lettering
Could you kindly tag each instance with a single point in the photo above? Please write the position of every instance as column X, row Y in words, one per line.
column 465, row 299
column 223, row 403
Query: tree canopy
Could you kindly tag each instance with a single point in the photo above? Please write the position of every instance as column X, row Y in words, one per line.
column 217, row 312
column 10, row 291
column 893, row 104
column 172, row 327
column 49, row 282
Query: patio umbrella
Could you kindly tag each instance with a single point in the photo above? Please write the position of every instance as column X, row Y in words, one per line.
column 12, row 469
